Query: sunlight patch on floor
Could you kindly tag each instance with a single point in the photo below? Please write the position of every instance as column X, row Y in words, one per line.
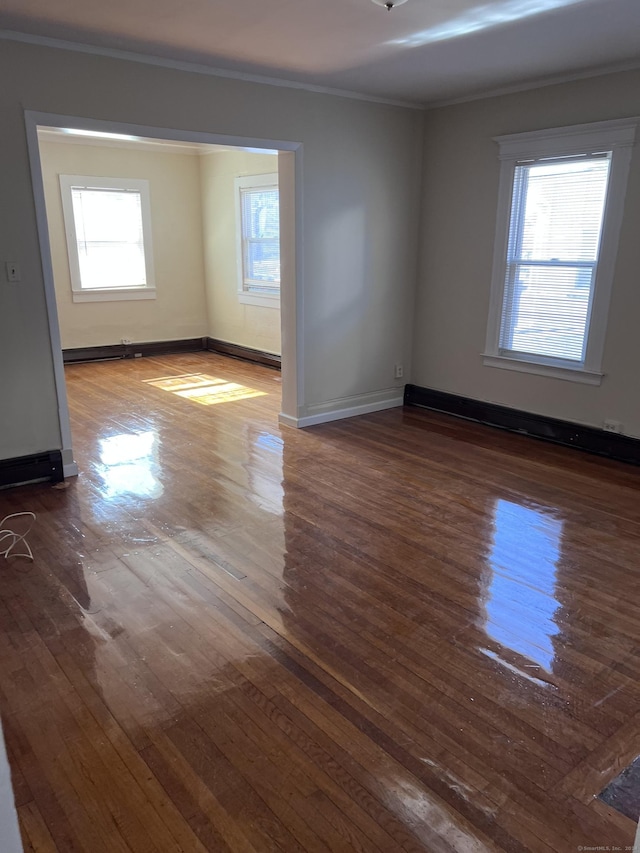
column 204, row 389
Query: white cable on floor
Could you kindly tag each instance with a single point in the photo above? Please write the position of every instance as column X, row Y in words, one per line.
column 16, row 537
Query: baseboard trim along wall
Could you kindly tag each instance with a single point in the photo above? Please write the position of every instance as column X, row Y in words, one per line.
column 32, row 469
column 246, row 353
column 345, row 407
column 593, row 440
column 151, row 348
column 133, row 350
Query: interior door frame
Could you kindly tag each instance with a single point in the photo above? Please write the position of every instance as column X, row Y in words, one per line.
column 291, row 295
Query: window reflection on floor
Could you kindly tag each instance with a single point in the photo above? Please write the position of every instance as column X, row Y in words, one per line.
column 204, row 389
column 521, row 604
column 127, row 465
column 264, row 470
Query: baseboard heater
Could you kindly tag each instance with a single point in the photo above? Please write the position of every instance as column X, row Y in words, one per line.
column 612, row 445
column 35, row 468
column 268, row 359
column 110, row 352
column 133, row 350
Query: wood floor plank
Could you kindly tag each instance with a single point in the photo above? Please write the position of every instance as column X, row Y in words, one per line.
column 401, row 632
column 36, row 836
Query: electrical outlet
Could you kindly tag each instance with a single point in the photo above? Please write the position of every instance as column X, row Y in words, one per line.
column 125, row 341
column 612, row 426
column 13, row 271
column 399, row 372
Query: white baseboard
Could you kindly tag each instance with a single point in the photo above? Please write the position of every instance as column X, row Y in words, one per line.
column 346, row 407
column 287, row 420
column 69, row 466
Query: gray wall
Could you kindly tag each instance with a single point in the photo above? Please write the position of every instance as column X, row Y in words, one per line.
column 360, row 189
column 360, row 200
column 460, row 192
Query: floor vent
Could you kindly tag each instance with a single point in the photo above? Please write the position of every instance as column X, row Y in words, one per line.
column 623, row 793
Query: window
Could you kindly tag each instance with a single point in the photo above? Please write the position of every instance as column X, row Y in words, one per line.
column 559, row 214
column 258, row 229
column 108, row 229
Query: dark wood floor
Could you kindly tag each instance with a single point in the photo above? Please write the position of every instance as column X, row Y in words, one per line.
column 401, row 632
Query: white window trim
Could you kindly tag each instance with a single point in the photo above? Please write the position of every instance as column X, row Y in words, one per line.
column 107, row 294
column 617, row 136
column 264, row 300
column 246, row 297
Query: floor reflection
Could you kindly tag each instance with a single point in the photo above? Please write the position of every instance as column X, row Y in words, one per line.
column 128, row 462
column 312, row 599
column 264, row 470
column 521, row 603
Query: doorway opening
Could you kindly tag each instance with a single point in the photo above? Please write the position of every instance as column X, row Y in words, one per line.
column 206, row 227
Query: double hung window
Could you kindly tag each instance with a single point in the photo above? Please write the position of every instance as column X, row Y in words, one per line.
column 108, row 230
column 258, row 230
column 559, row 214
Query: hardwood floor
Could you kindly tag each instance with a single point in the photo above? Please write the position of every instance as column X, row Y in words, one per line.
column 401, row 632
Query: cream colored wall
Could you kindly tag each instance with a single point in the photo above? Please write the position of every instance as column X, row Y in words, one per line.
column 358, row 188
column 229, row 320
column 174, row 188
column 460, row 191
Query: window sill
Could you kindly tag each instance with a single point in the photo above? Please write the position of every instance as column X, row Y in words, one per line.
column 114, row 294
column 263, row 300
column 572, row 374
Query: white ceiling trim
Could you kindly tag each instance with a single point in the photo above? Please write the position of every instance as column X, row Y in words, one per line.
column 199, row 68
column 196, row 68
column 538, row 83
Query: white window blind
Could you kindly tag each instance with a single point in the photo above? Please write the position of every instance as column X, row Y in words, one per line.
column 260, row 238
column 557, row 211
column 109, row 235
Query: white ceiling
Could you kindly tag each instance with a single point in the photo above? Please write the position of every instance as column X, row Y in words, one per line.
column 424, row 51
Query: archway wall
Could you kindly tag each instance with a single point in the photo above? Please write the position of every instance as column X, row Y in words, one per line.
column 357, row 196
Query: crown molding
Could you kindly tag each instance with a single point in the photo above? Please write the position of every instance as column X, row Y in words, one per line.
column 211, row 71
column 539, row 83
column 198, row 68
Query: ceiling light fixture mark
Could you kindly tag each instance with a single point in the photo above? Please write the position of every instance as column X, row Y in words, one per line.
column 388, row 4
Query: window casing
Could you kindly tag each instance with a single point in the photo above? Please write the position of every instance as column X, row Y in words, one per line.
column 258, row 240
column 108, row 231
column 559, row 215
